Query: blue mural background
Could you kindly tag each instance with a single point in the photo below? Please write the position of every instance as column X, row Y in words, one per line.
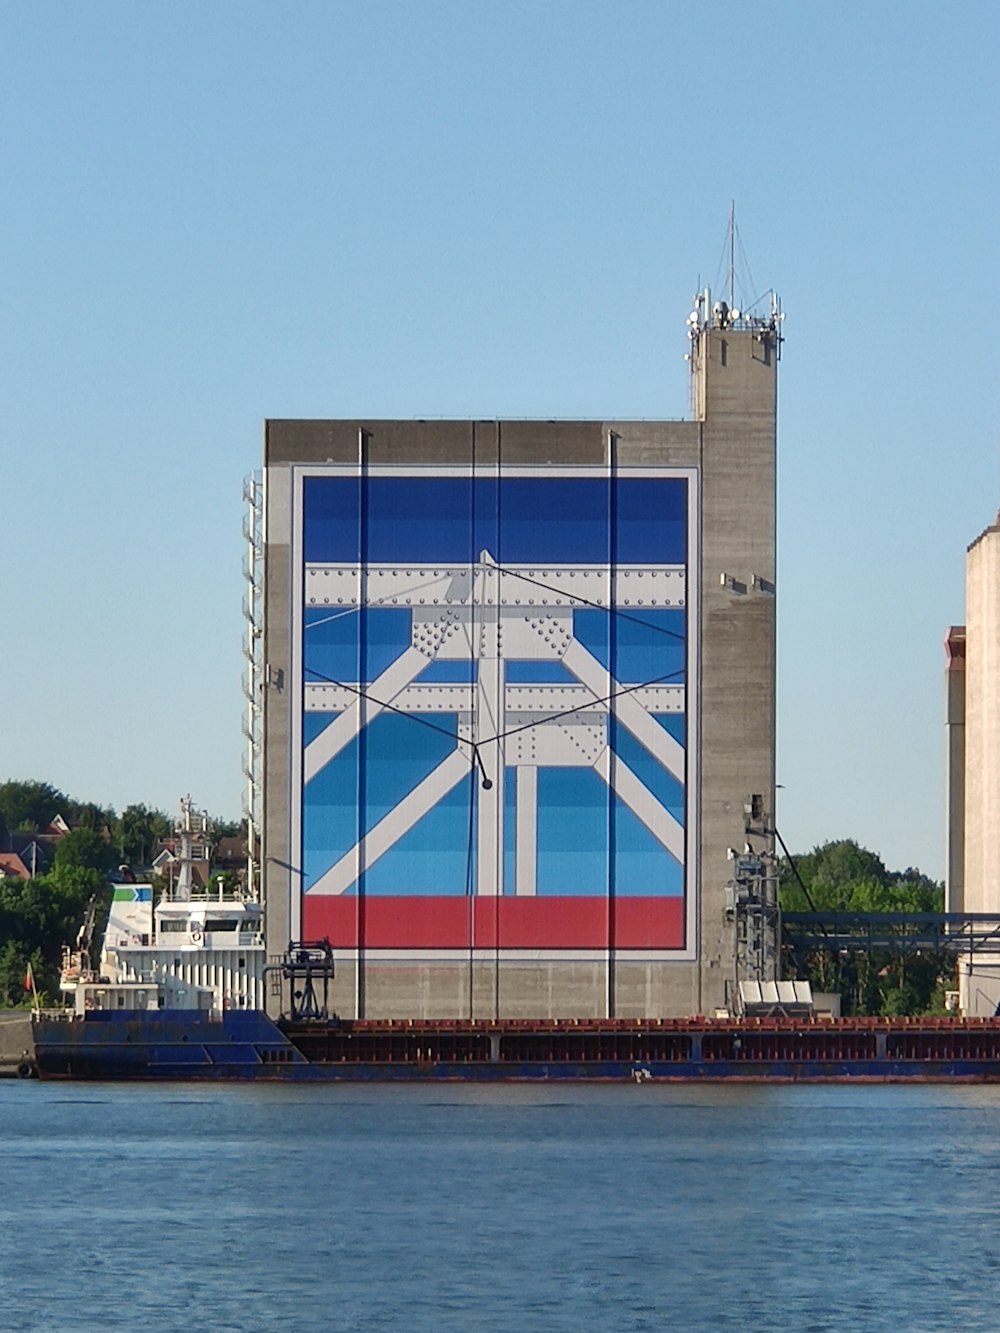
column 588, row 841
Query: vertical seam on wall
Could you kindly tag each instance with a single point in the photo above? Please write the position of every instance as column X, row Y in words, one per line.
column 363, row 708
column 612, row 622
column 500, row 864
column 471, row 851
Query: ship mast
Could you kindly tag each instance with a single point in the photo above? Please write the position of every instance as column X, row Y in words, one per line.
column 192, row 832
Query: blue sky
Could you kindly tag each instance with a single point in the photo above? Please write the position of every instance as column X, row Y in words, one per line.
column 217, row 213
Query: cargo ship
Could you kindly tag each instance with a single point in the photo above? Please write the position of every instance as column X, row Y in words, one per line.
column 157, row 1023
column 242, row 1045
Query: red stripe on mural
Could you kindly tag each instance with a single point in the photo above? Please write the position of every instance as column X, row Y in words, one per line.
column 506, row 923
column 539, row 923
column 649, row 923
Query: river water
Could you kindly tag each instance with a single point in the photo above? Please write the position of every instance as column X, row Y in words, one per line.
column 513, row 1208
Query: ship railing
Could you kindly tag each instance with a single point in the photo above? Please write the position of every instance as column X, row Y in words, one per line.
column 54, row 1015
column 227, row 894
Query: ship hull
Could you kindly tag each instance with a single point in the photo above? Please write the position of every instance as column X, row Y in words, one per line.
column 248, row 1046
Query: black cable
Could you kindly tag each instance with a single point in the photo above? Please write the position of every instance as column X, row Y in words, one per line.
column 812, row 906
column 363, row 694
column 583, row 708
column 487, row 782
column 751, row 285
column 477, row 758
column 802, row 884
column 595, row 606
column 470, row 843
column 512, row 731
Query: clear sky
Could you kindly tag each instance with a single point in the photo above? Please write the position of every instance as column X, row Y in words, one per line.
column 216, row 213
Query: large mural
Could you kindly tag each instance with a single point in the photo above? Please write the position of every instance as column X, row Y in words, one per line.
column 495, row 708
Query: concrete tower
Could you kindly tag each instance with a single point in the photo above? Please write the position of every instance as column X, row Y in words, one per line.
column 974, row 800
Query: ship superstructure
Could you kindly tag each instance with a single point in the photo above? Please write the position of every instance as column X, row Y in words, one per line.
column 201, row 946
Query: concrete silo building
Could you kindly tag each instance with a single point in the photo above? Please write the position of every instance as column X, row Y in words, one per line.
column 518, row 683
column 973, row 766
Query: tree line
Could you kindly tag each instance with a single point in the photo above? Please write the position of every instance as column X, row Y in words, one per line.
column 844, row 877
column 129, row 837
column 39, row 916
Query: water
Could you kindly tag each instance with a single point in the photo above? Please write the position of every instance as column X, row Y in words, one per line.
column 440, row 1208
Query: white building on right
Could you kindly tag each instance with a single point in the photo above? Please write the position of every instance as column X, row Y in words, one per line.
column 972, row 721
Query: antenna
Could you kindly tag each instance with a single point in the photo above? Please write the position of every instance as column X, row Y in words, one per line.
column 732, row 254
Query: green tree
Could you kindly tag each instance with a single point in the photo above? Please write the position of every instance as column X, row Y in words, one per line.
column 844, row 877
column 85, row 814
column 137, row 832
column 37, row 917
column 15, row 957
column 29, row 805
column 85, row 847
column 831, row 874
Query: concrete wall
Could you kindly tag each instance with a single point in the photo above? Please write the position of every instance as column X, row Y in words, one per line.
column 15, row 1038
column 732, row 445
column 976, row 810
column 982, row 724
column 979, row 986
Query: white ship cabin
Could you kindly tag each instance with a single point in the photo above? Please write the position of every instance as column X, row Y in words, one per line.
column 208, row 922
column 112, row 996
column 208, row 919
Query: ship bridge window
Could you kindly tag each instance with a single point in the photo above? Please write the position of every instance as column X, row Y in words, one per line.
column 219, row 923
column 173, row 925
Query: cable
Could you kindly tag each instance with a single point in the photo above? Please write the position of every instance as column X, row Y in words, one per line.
column 751, row 285
column 802, row 884
column 595, row 606
column 381, row 703
column 487, row 783
column 512, row 731
column 582, row 708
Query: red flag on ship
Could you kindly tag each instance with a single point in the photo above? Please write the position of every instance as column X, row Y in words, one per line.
column 29, row 979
